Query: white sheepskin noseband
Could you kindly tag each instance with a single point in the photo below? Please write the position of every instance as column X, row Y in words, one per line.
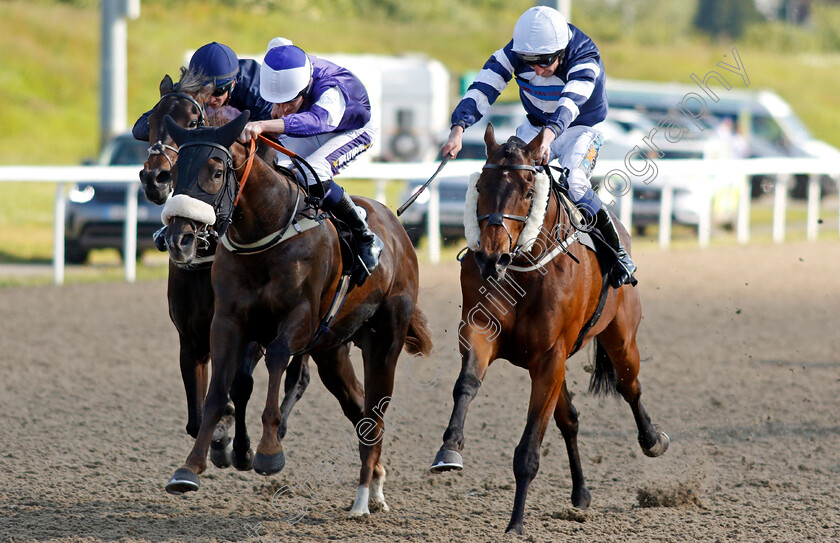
column 535, row 216
column 188, row 207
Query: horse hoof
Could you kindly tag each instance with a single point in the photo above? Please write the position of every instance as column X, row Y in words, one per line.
column 243, row 461
column 269, row 464
column 447, row 460
column 661, row 445
column 517, row 529
column 183, row 481
column 221, row 453
column 581, row 498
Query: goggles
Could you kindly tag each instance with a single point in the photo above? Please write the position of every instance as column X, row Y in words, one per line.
column 223, row 89
column 543, row 60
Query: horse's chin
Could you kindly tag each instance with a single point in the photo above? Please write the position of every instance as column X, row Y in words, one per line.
column 181, row 257
column 157, row 196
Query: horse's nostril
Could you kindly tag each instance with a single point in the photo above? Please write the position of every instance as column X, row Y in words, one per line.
column 504, row 260
column 162, row 178
column 186, row 240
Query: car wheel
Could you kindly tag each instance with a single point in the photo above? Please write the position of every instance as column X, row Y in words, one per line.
column 74, row 253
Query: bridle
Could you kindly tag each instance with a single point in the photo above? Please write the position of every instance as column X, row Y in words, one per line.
column 497, row 219
column 158, row 147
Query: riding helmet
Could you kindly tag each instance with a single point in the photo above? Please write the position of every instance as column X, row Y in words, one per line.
column 217, row 61
column 284, row 74
column 540, row 30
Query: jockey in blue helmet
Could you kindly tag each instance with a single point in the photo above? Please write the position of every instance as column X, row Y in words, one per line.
column 237, row 84
column 321, row 112
column 561, row 85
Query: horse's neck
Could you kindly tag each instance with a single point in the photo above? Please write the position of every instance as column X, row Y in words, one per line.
column 267, row 200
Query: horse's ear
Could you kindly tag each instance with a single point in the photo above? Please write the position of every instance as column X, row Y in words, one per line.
column 534, row 147
column 166, row 85
column 229, row 133
column 490, row 138
column 177, row 132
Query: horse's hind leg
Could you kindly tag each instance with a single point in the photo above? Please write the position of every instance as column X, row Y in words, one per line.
column 297, row 379
column 381, row 346
column 566, row 417
column 617, row 362
column 337, row 374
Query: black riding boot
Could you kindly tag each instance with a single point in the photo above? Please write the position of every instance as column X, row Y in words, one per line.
column 624, row 268
column 370, row 246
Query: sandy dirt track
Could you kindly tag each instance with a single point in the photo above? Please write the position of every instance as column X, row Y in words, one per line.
column 740, row 366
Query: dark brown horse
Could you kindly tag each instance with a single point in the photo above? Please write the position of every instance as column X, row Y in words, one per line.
column 190, row 292
column 522, row 305
column 275, row 279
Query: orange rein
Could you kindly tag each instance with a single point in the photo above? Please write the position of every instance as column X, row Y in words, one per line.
column 250, row 161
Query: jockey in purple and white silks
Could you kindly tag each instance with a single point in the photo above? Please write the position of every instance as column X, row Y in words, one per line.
column 561, row 85
column 322, row 113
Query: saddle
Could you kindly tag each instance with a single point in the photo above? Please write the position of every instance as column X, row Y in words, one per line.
column 350, row 263
column 588, row 235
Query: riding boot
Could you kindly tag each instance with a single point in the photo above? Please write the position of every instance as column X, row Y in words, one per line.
column 159, row 237
column 370, row 246
column 624, row 268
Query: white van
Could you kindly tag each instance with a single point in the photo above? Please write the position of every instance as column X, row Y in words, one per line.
column 768, row 123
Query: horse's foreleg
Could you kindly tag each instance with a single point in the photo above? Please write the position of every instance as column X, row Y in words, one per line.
column 270, row 458
column 240, row 393
column 297, row 379
column 474, row 363
column 546, row 386
column 566, row 417
column 225, row 352
column 618, row 342
column 194, row 373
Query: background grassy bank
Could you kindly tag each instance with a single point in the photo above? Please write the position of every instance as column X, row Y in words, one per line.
column 49, row 76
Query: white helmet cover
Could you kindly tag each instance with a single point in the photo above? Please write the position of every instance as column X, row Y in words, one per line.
column 285, row 73
column 540, row 30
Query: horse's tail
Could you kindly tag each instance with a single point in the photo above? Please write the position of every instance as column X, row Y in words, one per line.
column 419, row 337
column 604, row 381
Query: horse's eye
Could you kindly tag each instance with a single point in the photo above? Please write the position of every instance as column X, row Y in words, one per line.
column 530, row 194
column 193, row 124
column 218, row 174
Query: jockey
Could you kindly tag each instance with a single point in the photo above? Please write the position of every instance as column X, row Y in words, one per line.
column 561, row 85
column 321, row 112
column 237, row 84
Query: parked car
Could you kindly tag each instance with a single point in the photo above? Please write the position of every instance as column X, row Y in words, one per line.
column 96, row 211
column 690, row 192
column 772, row 127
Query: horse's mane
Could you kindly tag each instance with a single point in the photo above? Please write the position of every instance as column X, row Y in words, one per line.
column 192, row 80
column 512, row 147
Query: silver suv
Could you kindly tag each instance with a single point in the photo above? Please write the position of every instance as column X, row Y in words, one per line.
column 96, row 211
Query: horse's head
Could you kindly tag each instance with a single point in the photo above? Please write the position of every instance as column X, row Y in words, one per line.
column 506, row 204
column 183, row 102
column 204, row 185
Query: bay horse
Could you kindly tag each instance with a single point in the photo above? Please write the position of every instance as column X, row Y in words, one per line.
column 190, row 292
column 531, row 307
column 275, row 279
